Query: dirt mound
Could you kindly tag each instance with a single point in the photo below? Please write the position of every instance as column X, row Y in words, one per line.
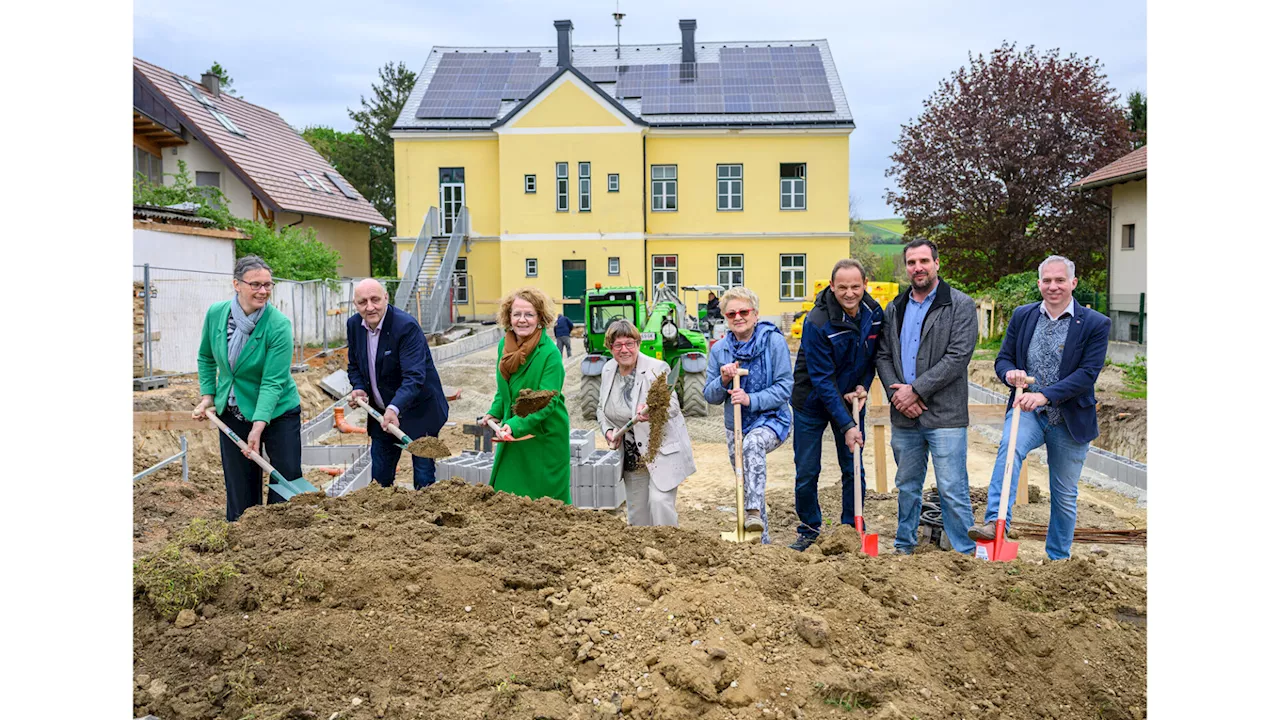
column 460, row 602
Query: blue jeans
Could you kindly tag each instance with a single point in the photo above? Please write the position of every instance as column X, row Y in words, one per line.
column 807, row 443
column 1066, row 459
column 386, row 455
column 950, row 450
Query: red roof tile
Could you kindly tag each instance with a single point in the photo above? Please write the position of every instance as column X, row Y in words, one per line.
column 1131, row 164
column 270, row 154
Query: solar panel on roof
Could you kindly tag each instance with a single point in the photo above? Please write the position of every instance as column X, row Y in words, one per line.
column 473, row 85
column 341, row 183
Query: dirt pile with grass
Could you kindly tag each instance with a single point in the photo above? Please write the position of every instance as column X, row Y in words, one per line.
column 461, row 602
column 658, row 403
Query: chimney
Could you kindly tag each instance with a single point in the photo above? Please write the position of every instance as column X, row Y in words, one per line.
column 210, row 82
column 686, row 40
column 564, row 40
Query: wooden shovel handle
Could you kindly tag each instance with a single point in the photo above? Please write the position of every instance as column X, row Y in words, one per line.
column 253, row 455
column 395, row 431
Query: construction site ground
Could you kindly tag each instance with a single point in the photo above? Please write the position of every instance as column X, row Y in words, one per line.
column 461, row 603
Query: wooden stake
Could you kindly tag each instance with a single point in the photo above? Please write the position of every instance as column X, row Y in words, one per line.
column 882, row 459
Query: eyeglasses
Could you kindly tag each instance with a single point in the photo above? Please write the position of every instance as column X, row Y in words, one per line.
column 625, row 345
column 739, row 313
column 260, row 285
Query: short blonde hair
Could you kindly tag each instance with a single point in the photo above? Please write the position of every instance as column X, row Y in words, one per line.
column 740, row 293
column 535, row 297
column 621, row 327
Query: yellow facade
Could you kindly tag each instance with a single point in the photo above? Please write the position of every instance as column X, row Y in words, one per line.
column 570, row 123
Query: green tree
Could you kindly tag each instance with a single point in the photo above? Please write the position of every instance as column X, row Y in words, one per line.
column 224, row 78
column 366, row 156
column 293, row 253
column 1136, row 112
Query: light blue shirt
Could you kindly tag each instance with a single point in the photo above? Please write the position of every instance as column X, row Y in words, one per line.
column 912, row 325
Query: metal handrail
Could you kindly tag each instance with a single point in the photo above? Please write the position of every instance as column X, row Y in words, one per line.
column 409, row 281
column 438, row 300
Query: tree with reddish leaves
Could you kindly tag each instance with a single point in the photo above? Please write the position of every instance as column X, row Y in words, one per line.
column 985, row 171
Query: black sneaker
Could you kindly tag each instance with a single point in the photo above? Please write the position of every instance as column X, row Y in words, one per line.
column 802, row 543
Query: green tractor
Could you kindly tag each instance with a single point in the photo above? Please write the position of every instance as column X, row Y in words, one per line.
column 662, row 336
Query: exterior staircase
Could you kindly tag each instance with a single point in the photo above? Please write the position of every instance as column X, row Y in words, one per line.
column 427, row 284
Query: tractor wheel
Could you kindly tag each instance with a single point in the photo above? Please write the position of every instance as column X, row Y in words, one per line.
column 589, row 397
column 692, row 401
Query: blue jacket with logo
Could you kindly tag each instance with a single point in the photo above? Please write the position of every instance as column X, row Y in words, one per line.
column 837, row 354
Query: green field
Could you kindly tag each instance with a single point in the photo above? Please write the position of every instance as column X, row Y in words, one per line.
column 886, row 249
column 887, row 231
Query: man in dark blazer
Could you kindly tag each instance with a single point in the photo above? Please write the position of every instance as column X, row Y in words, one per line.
column 1062, row 345
column 390, row 367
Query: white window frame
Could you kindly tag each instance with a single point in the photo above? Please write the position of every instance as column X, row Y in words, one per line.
column 319, row 181
column 725, row 266
column 562, row 187
column 614, row 182
column 531, row 267
column 664, row 183
column 787, row 277
column 530, row 184
column 306, row 178
column 584, row 187
column 728, row 187
column 674, row 270
column 461, row 285
column 615, row 266
column 793, row 189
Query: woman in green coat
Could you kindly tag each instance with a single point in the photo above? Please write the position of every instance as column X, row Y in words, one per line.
column 527, row 358
column 246, row 351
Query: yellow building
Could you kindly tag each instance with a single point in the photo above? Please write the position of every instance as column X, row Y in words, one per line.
column 685, row 162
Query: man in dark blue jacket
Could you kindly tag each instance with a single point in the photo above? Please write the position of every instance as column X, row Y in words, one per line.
column 834, row 368
column 1063, row 346
column 564, row 328
column 390, row 367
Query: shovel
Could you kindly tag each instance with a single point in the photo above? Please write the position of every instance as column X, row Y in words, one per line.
column 429, row 447
column 739, row 534
column 999, row 549
column 284, row 488
column 870, row 541
column 500, row 436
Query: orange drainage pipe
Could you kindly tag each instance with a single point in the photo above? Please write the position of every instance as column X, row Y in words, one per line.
column 331, row 471
column 340, row 422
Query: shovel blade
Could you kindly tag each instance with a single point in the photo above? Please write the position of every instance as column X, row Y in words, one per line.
column 871, row 544
column 997, row 550
column 288, row 488
column 749, row 536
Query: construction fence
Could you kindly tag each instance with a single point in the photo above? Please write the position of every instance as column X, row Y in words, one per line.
column 169, row 307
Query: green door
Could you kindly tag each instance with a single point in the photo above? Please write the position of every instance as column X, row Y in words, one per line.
column 574, row 286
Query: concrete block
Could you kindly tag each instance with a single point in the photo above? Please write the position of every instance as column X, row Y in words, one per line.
column 337, row 384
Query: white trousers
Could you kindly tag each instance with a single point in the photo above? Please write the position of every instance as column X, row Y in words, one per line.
column 646, row 504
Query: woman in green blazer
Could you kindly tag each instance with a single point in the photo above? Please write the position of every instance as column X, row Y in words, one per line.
column 527, row 358
column 246, row 351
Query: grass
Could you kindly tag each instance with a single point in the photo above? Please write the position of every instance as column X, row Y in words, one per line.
column 205, row 535
column 173, row 581
column 1135, row 378
column 887, row 249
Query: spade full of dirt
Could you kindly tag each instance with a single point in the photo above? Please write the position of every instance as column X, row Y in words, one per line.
column 658, row 401
column 429, row 447
column 529, row 401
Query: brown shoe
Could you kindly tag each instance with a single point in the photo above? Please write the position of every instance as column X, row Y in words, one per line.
column 983, row 532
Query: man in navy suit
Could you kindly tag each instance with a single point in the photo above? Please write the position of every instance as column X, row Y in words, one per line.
column 390, row 367
column 1063, row 347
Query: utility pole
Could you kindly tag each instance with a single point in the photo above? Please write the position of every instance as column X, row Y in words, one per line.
column 617, row 21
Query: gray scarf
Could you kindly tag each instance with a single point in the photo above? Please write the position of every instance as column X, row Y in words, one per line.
column 244, row 325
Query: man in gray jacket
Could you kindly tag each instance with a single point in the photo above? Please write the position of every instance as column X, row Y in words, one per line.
column 923, row 361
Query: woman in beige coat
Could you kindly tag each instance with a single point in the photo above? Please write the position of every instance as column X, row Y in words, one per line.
column 624, row 384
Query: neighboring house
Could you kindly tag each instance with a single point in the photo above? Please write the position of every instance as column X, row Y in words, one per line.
column 1127, row 247
column 178, row 238
column 265, row 169
column 686, row 162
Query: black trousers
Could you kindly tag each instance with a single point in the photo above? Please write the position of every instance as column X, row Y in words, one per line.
column 281, row 444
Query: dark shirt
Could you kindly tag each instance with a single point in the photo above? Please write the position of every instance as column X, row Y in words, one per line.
column 564, row 326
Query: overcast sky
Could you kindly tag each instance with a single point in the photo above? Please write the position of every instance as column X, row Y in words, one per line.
column 310, row 61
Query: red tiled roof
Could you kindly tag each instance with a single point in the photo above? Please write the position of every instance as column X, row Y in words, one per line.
column 270, row 155
column 1118, row 171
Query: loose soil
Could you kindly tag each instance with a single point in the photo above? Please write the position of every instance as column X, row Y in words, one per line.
column 359, row 605
column 658, row 403
column 529, row 401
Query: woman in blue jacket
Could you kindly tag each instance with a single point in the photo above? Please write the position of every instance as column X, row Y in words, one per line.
column 759, row 348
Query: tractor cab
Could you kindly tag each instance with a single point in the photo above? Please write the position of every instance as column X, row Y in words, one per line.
column 710, row 323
